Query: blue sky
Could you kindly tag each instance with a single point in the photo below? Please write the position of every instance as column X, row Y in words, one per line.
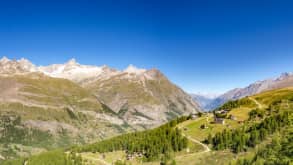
column 201, row 45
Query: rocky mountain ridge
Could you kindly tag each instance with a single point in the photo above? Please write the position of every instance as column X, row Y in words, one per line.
column 45, row 105
column 139, row 97
column 282, row 81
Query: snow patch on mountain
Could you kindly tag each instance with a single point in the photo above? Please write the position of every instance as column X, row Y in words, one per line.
column 8, row 67
column 4, row 60
column 134, row 70
column 72, row 70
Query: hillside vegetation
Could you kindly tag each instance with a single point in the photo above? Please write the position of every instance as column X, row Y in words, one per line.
column 264, row 137
column 155, row 144
column 256, row 121
column 39, row 113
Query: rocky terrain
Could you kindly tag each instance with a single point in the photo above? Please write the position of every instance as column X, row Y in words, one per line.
column 85, row 103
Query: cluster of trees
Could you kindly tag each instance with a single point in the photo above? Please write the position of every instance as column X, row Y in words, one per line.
column 236, row 104
column 279, row 152
column 152, row 144
column 220, row 115
column 240, row 139
column 14, row 132
column 58, row 157
column 256, row 113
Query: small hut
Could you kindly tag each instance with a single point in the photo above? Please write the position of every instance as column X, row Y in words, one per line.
column 193, row 116
column 218, row 120
column 232, row 117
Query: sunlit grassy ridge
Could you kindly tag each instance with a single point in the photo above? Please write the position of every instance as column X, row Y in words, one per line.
column 275, row 96
column 274, row 101
column 241, row 110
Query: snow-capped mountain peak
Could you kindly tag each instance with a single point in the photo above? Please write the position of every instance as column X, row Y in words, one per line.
column 8, row 67
column 27, row 65
column 134, row 70
column 71, row 62
column 74, row 71
column 4, row 60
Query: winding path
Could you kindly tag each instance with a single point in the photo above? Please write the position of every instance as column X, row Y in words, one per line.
column 206, row 147
column 259, row 105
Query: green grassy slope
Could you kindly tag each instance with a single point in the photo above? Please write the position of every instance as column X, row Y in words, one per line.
column 270, row 102
column 39, row 113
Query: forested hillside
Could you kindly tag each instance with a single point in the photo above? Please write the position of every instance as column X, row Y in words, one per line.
column 240, row 139
column 152, row 144
column 155, row 144
column 278, row 152
column 270, row 122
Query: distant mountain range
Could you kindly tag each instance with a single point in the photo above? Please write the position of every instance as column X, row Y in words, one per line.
column 284, row 80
